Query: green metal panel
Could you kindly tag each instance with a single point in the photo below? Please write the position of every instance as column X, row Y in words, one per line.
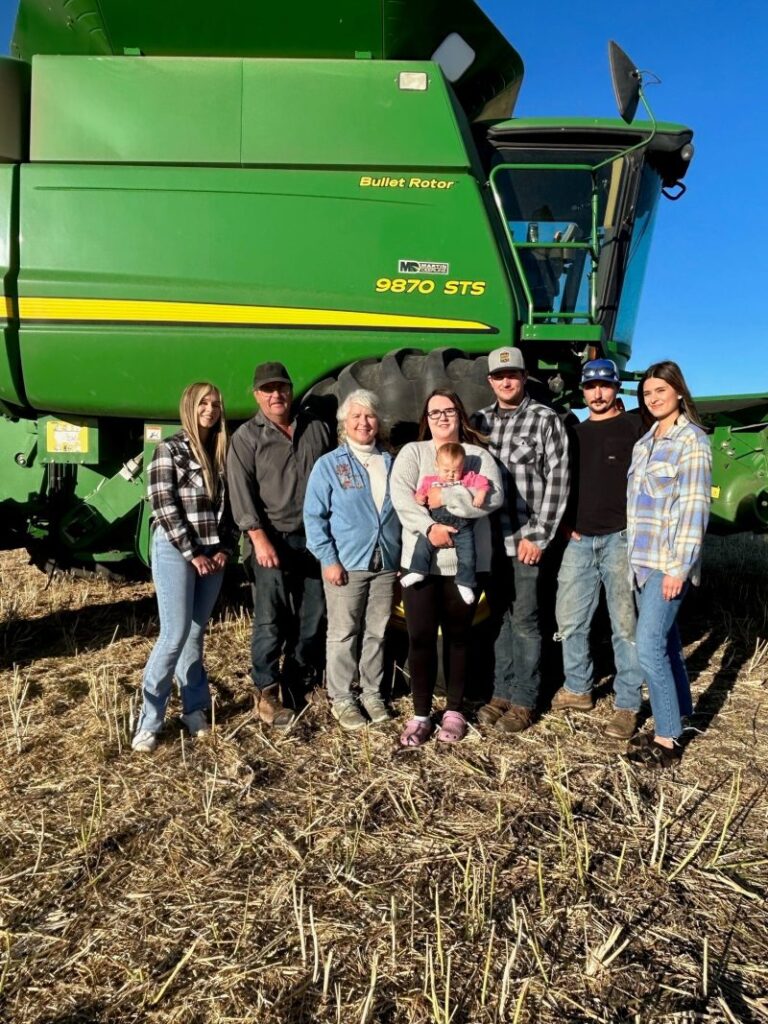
column 740, row 478
column 295, row 241
column 11, row 385
column 218, row 111
column 131, row 110
column 388, row 29
column 287, row 120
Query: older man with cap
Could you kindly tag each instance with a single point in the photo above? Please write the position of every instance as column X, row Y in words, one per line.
column 269, row 463
column 596, row 526
column 530, row 442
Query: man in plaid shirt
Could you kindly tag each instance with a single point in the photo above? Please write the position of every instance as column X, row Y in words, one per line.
column 530, row 442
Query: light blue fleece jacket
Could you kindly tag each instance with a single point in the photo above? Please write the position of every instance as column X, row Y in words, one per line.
column 341, row 521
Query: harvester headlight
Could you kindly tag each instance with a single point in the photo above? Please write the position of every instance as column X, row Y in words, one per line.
column 413, row 81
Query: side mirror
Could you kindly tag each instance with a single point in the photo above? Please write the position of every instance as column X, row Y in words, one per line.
column 626, row 80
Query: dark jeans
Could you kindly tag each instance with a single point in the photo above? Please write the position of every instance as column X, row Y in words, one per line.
column 463, row 541
column 513, row 595
column 433, row 603
column 288, row 614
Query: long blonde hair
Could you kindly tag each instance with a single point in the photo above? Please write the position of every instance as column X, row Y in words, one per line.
column 212, row 455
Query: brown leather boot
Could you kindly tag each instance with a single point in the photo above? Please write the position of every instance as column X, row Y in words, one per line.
column 622, row 724
column 270, row 710
column 515, row 719
column 489, row 714
column 565, row 700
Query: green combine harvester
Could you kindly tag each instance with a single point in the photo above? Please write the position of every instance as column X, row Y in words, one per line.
column 339, row 185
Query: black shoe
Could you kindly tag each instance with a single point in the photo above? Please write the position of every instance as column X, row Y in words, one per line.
column 654, row 755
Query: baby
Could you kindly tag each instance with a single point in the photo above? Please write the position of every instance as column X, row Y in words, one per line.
column 458, row 489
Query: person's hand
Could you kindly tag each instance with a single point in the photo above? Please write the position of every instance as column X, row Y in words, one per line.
column 420, row 498
column 568, row 534
column 264, row 550
column 441, row 536
column 479, row 498
column 220, row 560
column 204, row 566
column 528, row 553
column 435, row 497
column 671, row 587
column 336, row 575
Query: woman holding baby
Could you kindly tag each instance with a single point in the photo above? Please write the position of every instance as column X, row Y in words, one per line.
column 465, row 485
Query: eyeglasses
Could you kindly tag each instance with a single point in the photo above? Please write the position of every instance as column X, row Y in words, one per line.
column 438, row 414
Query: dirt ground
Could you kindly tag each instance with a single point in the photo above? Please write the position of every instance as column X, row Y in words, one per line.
column 313, row 876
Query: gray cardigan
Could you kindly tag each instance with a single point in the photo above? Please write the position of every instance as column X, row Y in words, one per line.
column 417, row 460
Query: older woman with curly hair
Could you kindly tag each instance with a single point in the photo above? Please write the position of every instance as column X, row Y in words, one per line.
column 352, row 529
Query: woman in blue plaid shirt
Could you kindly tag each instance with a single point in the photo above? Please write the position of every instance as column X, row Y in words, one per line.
column 193, row 537
column 668, row 499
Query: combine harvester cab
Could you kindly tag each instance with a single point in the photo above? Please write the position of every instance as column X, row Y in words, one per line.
column 340, row 186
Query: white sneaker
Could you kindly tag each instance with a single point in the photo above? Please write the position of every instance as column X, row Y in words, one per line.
column 196, row 723
column 410, row 578
column 144, row 741
column 467, row 593
column 376, row 709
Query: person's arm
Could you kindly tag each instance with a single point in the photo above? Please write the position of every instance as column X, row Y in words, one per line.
column 247, row 507
column 229, row 535
column 317, row 516
column 422, row 491
column 694, row 482
column 166, row 504
column 458, row 500
column 556, row 484
column 403, row 482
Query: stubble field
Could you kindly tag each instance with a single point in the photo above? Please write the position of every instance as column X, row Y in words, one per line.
column 313, row 877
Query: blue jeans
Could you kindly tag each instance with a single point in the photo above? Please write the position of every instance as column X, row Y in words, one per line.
column 587, row 563
column 661, row 657
column 463, row 542
column 288, row 614
column 513, row 594
column 185, row 601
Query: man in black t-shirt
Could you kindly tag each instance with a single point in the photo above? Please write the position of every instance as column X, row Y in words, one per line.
column 596, row 526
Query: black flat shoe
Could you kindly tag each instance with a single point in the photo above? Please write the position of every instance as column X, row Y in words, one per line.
column 640, row 739
column 652, row 755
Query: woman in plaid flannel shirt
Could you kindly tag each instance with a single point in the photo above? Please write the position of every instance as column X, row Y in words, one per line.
column 667, row 513
column 193, row 536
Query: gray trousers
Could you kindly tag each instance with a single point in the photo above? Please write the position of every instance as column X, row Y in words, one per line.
column 358, row 614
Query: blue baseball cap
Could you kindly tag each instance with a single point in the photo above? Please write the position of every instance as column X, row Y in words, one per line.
column 600, row 371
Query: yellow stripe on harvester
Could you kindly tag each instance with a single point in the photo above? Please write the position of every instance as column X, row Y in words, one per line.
column 134, row 311
column 8, row 307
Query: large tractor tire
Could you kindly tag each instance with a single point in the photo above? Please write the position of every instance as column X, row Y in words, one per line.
column 403, row 379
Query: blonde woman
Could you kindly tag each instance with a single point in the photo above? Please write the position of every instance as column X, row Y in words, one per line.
column 193, row 537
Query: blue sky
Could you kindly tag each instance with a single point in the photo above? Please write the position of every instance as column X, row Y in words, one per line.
column 703, row 303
